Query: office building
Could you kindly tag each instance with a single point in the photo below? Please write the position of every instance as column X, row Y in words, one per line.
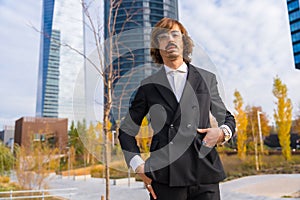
column 131, row 51
column 37, row 129
column 7, row 135
column 294, row 19
column 61, row 67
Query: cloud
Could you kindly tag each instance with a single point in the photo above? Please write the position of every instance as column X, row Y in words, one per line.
column 19, row 52
column 249, row 41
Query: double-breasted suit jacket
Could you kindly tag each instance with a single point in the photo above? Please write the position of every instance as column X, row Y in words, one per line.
column 177, row 156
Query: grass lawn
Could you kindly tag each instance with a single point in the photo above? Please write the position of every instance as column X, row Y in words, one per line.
column 270, row 164
column 234, row 167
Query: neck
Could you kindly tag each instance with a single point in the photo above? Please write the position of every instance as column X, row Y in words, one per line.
column 174, row 64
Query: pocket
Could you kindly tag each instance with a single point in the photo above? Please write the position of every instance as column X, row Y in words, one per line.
column 212, row 157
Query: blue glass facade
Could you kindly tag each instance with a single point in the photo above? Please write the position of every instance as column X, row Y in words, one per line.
column 47, row 93
column 294, row 19
column 50, row 107
column 60, row 68
column 131, row 54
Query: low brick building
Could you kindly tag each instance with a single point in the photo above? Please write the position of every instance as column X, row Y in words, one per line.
column 54, row 131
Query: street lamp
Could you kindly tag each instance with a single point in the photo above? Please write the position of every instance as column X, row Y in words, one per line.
column 260, row 133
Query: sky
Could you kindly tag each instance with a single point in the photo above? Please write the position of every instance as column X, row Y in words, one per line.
column 248, row 41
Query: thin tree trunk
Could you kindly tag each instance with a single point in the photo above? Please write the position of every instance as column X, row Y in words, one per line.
column 106, row 157
column 106, row 134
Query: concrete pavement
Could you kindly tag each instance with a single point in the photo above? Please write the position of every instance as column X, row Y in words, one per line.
column 260, row 187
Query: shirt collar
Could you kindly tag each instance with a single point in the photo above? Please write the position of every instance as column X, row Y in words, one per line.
column 182, row 68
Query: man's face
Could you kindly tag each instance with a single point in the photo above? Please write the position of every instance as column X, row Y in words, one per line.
column 171, row 44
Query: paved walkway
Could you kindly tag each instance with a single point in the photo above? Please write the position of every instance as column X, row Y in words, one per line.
column 260, row 187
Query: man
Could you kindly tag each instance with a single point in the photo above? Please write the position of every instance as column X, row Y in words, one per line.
column 183, row 164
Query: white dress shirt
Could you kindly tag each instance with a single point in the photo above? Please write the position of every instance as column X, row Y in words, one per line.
column 177, row 79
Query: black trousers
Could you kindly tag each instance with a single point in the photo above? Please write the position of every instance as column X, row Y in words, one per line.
column 199, row 192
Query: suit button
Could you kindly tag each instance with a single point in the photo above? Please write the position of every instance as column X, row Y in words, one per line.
column 171, row 143
column 171, row 126
column 189, row 125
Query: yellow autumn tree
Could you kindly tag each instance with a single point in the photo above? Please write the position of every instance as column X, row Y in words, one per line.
column 256, row 134
column 34, row 166
column 144, row 136
column 283, row 116
column 99, row 130
column 90, row 147
column 100, row 139
column 241, row 125
column 253, row 125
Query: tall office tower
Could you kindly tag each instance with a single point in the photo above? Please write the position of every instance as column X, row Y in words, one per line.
column 294, row 18
column 131, row 39
column 60, row 67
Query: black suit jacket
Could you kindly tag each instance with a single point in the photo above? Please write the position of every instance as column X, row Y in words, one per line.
column 177, row 157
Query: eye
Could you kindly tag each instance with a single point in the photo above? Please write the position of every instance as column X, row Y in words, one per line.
column 163, row 36
column 175, row 34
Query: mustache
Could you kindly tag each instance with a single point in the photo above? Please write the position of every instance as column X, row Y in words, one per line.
column 171, row 44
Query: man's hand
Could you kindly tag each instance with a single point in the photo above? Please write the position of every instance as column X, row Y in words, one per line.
column 212, row 137
column 141, row 172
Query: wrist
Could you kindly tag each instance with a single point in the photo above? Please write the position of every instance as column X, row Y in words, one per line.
column 226, row 135
column 221, row 136
column 139, row 169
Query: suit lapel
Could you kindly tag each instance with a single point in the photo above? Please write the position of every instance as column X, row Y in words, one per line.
column 162, row 84
column 194, row 78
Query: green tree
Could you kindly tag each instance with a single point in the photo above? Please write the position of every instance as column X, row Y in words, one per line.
column 6, row 160
column 75, row 140
column 241, row 125
column 283, row 116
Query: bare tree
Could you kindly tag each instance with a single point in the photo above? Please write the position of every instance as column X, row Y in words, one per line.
column 109, row 53
column 33, row 167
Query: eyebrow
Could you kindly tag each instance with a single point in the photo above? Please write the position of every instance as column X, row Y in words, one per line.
column 175, row 31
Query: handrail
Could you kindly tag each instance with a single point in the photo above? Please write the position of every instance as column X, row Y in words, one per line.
column 40, row 195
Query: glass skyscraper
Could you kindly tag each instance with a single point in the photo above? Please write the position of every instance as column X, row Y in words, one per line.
column 131, row 51
column 60, row 65
column 294, row 18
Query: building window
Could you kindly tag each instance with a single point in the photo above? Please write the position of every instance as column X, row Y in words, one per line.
column 295, row 15
column 297, row 59
column 294, row 5
column 36, row 137
column 295, row 26
column 295, row 37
